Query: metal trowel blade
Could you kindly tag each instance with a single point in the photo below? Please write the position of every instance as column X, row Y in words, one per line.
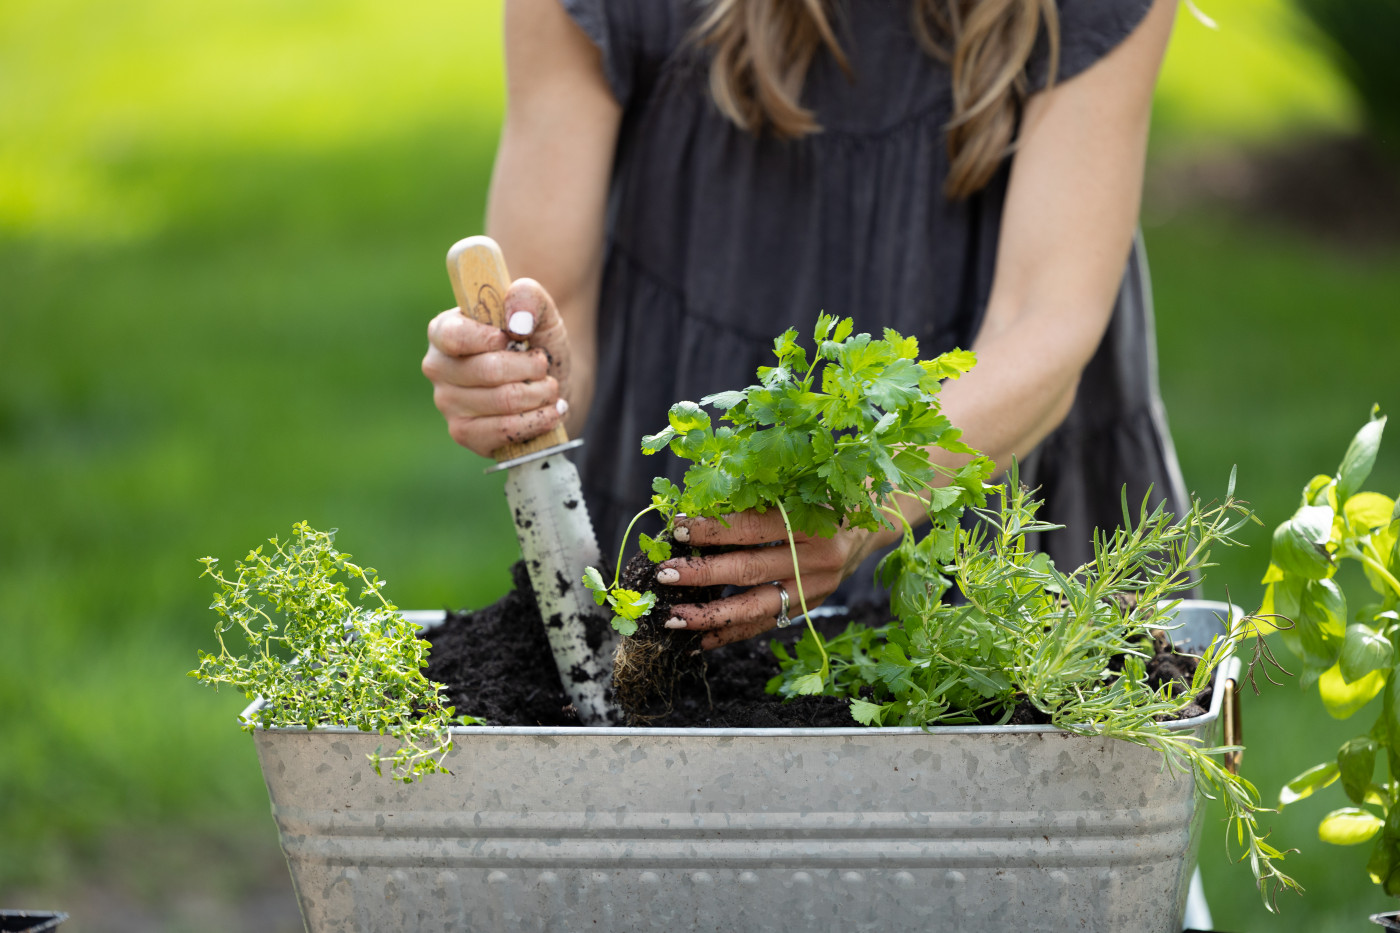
column 557, row 541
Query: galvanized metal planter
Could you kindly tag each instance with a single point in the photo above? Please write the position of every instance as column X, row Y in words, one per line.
column 1011, row 828
column 31, row 921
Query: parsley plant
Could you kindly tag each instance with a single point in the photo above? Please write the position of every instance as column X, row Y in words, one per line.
column 827, row 441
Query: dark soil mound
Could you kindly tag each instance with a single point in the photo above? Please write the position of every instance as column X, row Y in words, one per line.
column 496, row 665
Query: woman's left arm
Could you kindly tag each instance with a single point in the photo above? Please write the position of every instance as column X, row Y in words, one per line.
column 1067, row 227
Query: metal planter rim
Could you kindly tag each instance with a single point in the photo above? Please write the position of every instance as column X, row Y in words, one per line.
column 1228, row 670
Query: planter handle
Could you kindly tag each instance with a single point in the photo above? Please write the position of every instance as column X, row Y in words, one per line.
column 1234, row 725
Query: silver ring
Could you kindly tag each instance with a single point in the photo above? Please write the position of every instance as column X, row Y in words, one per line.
column 783, row 620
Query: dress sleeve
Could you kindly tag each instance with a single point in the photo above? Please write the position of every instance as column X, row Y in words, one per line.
column 606, row 25
column 1089, row 30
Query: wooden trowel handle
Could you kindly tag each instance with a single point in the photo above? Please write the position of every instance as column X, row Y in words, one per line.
column 479, row 281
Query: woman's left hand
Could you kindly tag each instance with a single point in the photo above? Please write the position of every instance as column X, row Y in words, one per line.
column 824, row 563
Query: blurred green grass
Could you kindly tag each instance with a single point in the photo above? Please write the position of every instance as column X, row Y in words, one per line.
column 1272, row 352
column 221, row 237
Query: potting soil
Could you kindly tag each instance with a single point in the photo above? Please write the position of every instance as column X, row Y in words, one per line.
column 496, row 666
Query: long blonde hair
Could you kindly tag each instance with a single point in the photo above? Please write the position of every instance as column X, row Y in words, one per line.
column 763, row 48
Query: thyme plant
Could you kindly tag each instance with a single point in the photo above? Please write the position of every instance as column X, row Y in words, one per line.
column 318, row 656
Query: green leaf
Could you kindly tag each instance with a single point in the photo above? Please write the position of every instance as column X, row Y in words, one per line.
column 1305, row 784
column 595, row 582
column 705, row 488
column 1300, row 544
column 725, row 400
column 1349, row 826
column 1320, row 625
column 654, row 549
column 1382, row 862
column 652, row 443
column 896, row 386
column 1356, row 763
column 1390, row 833
column 1342, row 699
column 867, row 713
column 1321, row 490
column 1364, row 651
column 905, row 348
column 1360, row 457
column 944, row 498
column 687, row 416
column 1287, row 595
column 950, row 365
column 624, row 626
column 808, row 685
column 1368, row 511
column 630, row 604
column 812, row 519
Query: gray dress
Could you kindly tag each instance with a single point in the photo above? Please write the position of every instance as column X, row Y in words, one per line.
column 717, row 241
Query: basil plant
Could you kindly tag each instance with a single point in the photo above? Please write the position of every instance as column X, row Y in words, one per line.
column 1345, row 633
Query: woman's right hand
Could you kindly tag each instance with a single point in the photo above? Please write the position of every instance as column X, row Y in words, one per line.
column 491, row 395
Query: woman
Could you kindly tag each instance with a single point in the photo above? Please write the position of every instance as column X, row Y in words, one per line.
column 683, row 179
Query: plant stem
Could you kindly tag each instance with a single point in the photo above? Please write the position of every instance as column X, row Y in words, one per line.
column 801, row 596
column 617, row 575
column 1376, row 565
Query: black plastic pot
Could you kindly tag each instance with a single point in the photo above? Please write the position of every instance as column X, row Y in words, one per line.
column 30, row 921
column 1391, row 921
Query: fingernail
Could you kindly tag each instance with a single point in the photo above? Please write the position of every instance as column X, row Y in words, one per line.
column 562, row 406
column 668, row 575
column 681, row 534
column 675, row 623
column 521, row 322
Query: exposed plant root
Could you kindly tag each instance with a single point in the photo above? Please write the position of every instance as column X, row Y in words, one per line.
column 650, row 665
column 646, row 673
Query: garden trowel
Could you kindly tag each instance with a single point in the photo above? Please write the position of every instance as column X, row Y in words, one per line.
column 546, row 502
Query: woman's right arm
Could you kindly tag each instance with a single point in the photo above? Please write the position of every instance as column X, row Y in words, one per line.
column 547, row 209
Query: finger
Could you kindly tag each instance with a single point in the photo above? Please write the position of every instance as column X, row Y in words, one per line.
column 488, row 434
column 744, row 528
column 737, row 632
column 532, row 314
column 530, row 308
column 485, row 370
column 752, row 605
column 748, row 567
column 758, row 606
column 455, row 335
column 513, row 398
